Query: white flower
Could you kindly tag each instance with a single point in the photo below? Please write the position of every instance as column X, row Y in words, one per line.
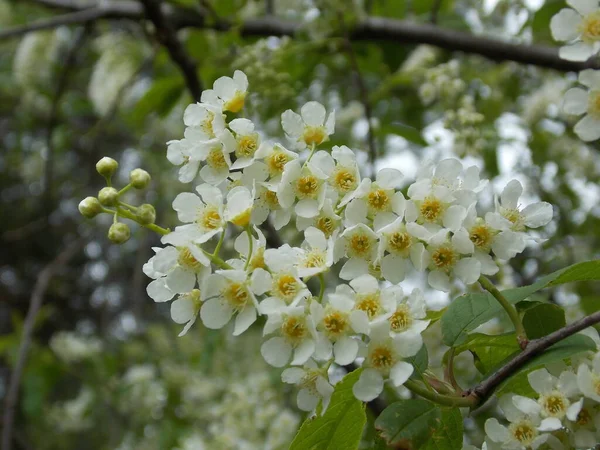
column 185, row 308
column 229, row 292
column 589, row 380
column 266, row 203
column 580, row 27
column 485, row 238
column 217, row 159
column 309, row 128
column 509, row 216
column 583, row 423
column 175, row 270
column 238, row 210
column 408, row 313
column 345, row 177
column 369, row 299
column 316, row 253
column 384, row 360
column 231, row 92
column 207, row 120
column 327, row 220
column 275, row 156
column 242, row 246
column 247, row 142
column 313, row 384
column 203, row 215
column 359, row 244
column 376, row 201
column 580, row 101
column 296, row 334
column 188, row 155
column 525, row 424
column 554, row 393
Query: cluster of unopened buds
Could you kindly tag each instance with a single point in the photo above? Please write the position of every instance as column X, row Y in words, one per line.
column 368, row 229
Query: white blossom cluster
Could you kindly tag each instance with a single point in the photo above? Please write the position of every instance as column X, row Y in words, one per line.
column 565, row 413
column 368, row 229
column 73, row 347
column 579, row 27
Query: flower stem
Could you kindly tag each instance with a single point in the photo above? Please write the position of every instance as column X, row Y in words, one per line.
column 322, row 291
column 125, row 189
column 445, row 400
column 218, row 247
column 151, row 226
column 216, row 260
column 509, row 308
column 250, row 244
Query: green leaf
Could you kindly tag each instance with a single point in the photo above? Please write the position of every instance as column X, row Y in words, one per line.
column 447, row 433
column 489, row 351
column 543, row 319
column 562, row 350
column 342, row 424
column 469, row 311
column 160, row 98
column 420, row 362
column 407, row 423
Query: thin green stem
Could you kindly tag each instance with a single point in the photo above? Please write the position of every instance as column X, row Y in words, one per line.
column 127, row 205
column 216, row 260
column 151, row 226
column 509, row 308
column 218, row 247
column 445, row 400
column 322, row 291
column 250, row 245
column 312, row 152
column 125, row 189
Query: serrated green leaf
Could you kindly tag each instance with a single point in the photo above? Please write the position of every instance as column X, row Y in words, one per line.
column 342, row 424
column 489, row 351
column 407, row 423
column 469, row 311
column 447, row 433
column 543, row 319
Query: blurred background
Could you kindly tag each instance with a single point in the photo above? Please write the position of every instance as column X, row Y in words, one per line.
column 105, row 368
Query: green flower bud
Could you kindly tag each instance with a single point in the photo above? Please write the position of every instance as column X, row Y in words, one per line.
column 146, row 214
column 107, row 167
column 139, row 178
column 108, row 196
column 90, row 207
column 119, row 233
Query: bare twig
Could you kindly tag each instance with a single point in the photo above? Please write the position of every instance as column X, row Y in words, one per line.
column 165, row 34
column 37, row 297
column 370, row 29
column 535, row 347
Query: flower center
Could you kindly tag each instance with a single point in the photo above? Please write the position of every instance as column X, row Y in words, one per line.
column 594, row 104
column 314, row 135
column 554, row 404
column 524, row 432
column 444, row 257
column 243, row 218
column 369, row 303
column 335, row 323
column 360, row 245
column 584, row 417
column 309, row 380
column 514, row 216
column 236, row 294
column 315, row 258
column 382, row 357
column 326, row 225
column 207, row 124
column 401, row 319
column 236, row 103
column 247, row 146
column 216, row 159
column 294, row 328
column 344, row 180
column 285, row 286
column 276, row 161
column 399, row 241
column 271, row 200
column 431, row 209
column 210, row 219
column 187, row 260
column 194, row 296
column 590, row 28
column 307, row 186
column 481, row 236
column 379, row 200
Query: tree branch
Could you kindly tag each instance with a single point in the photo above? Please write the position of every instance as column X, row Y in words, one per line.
column 370, row 29
column 482, row 391
column 77, row 17
column 165, row 34
column 37, row 297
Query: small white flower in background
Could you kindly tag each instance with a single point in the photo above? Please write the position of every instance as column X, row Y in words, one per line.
column 345, row 177
column 247, row 142
column 555, row 394
column 202, row 214
column 589, row 380
column 230, row 92
column 583, row 423
column 408, row 313
column 72, row 347
column 359, row 244
column 313, row 384
column 384, row 360
column 579, row 27
column 485, row 238
column 229, row 292
column 524, row 430
column 309, row 128
column 296, row 334
column 316, row 254
column 580, row 101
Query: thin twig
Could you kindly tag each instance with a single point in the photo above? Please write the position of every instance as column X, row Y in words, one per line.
column 535, row 347
column 165, row 34
column 37, row 297
column 370, row 29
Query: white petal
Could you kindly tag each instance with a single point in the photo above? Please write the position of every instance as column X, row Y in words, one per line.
column 393, row 268
column 584, row 7
column 368, row 386
column 564, row 25
column 276, row 351
column 454, row 217
column 354, row 268
column 439, row 280
column 158, row 291
column 511, row 193
column 313, row 113
column 182, row 310
column 462, row 243
column 215, row 314
column 541, row 381
column 304, row 351
column 307, row 208
column 360, row 322
column 496, row 432
column 292, row 375
column 400, row 373
column 468, row 270
column 242, row 126
column 550, row 424
column 180, row 280
column 408, row 344
column 574, row 410
column 389, row 178
column 187, row 204
column 244, row 319
column 590, row 78
column 527, row 405
column 345, row 350
column 575, row 101
column 316, row 238
column 307, row 401
column 588, row 128
column 292, row 123
column 579, row 51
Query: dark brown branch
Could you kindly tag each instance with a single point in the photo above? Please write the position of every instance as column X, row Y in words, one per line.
column 482, row 391
column 37, row 297
column 166, row 35
column 77, row 17
column 373, row 28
